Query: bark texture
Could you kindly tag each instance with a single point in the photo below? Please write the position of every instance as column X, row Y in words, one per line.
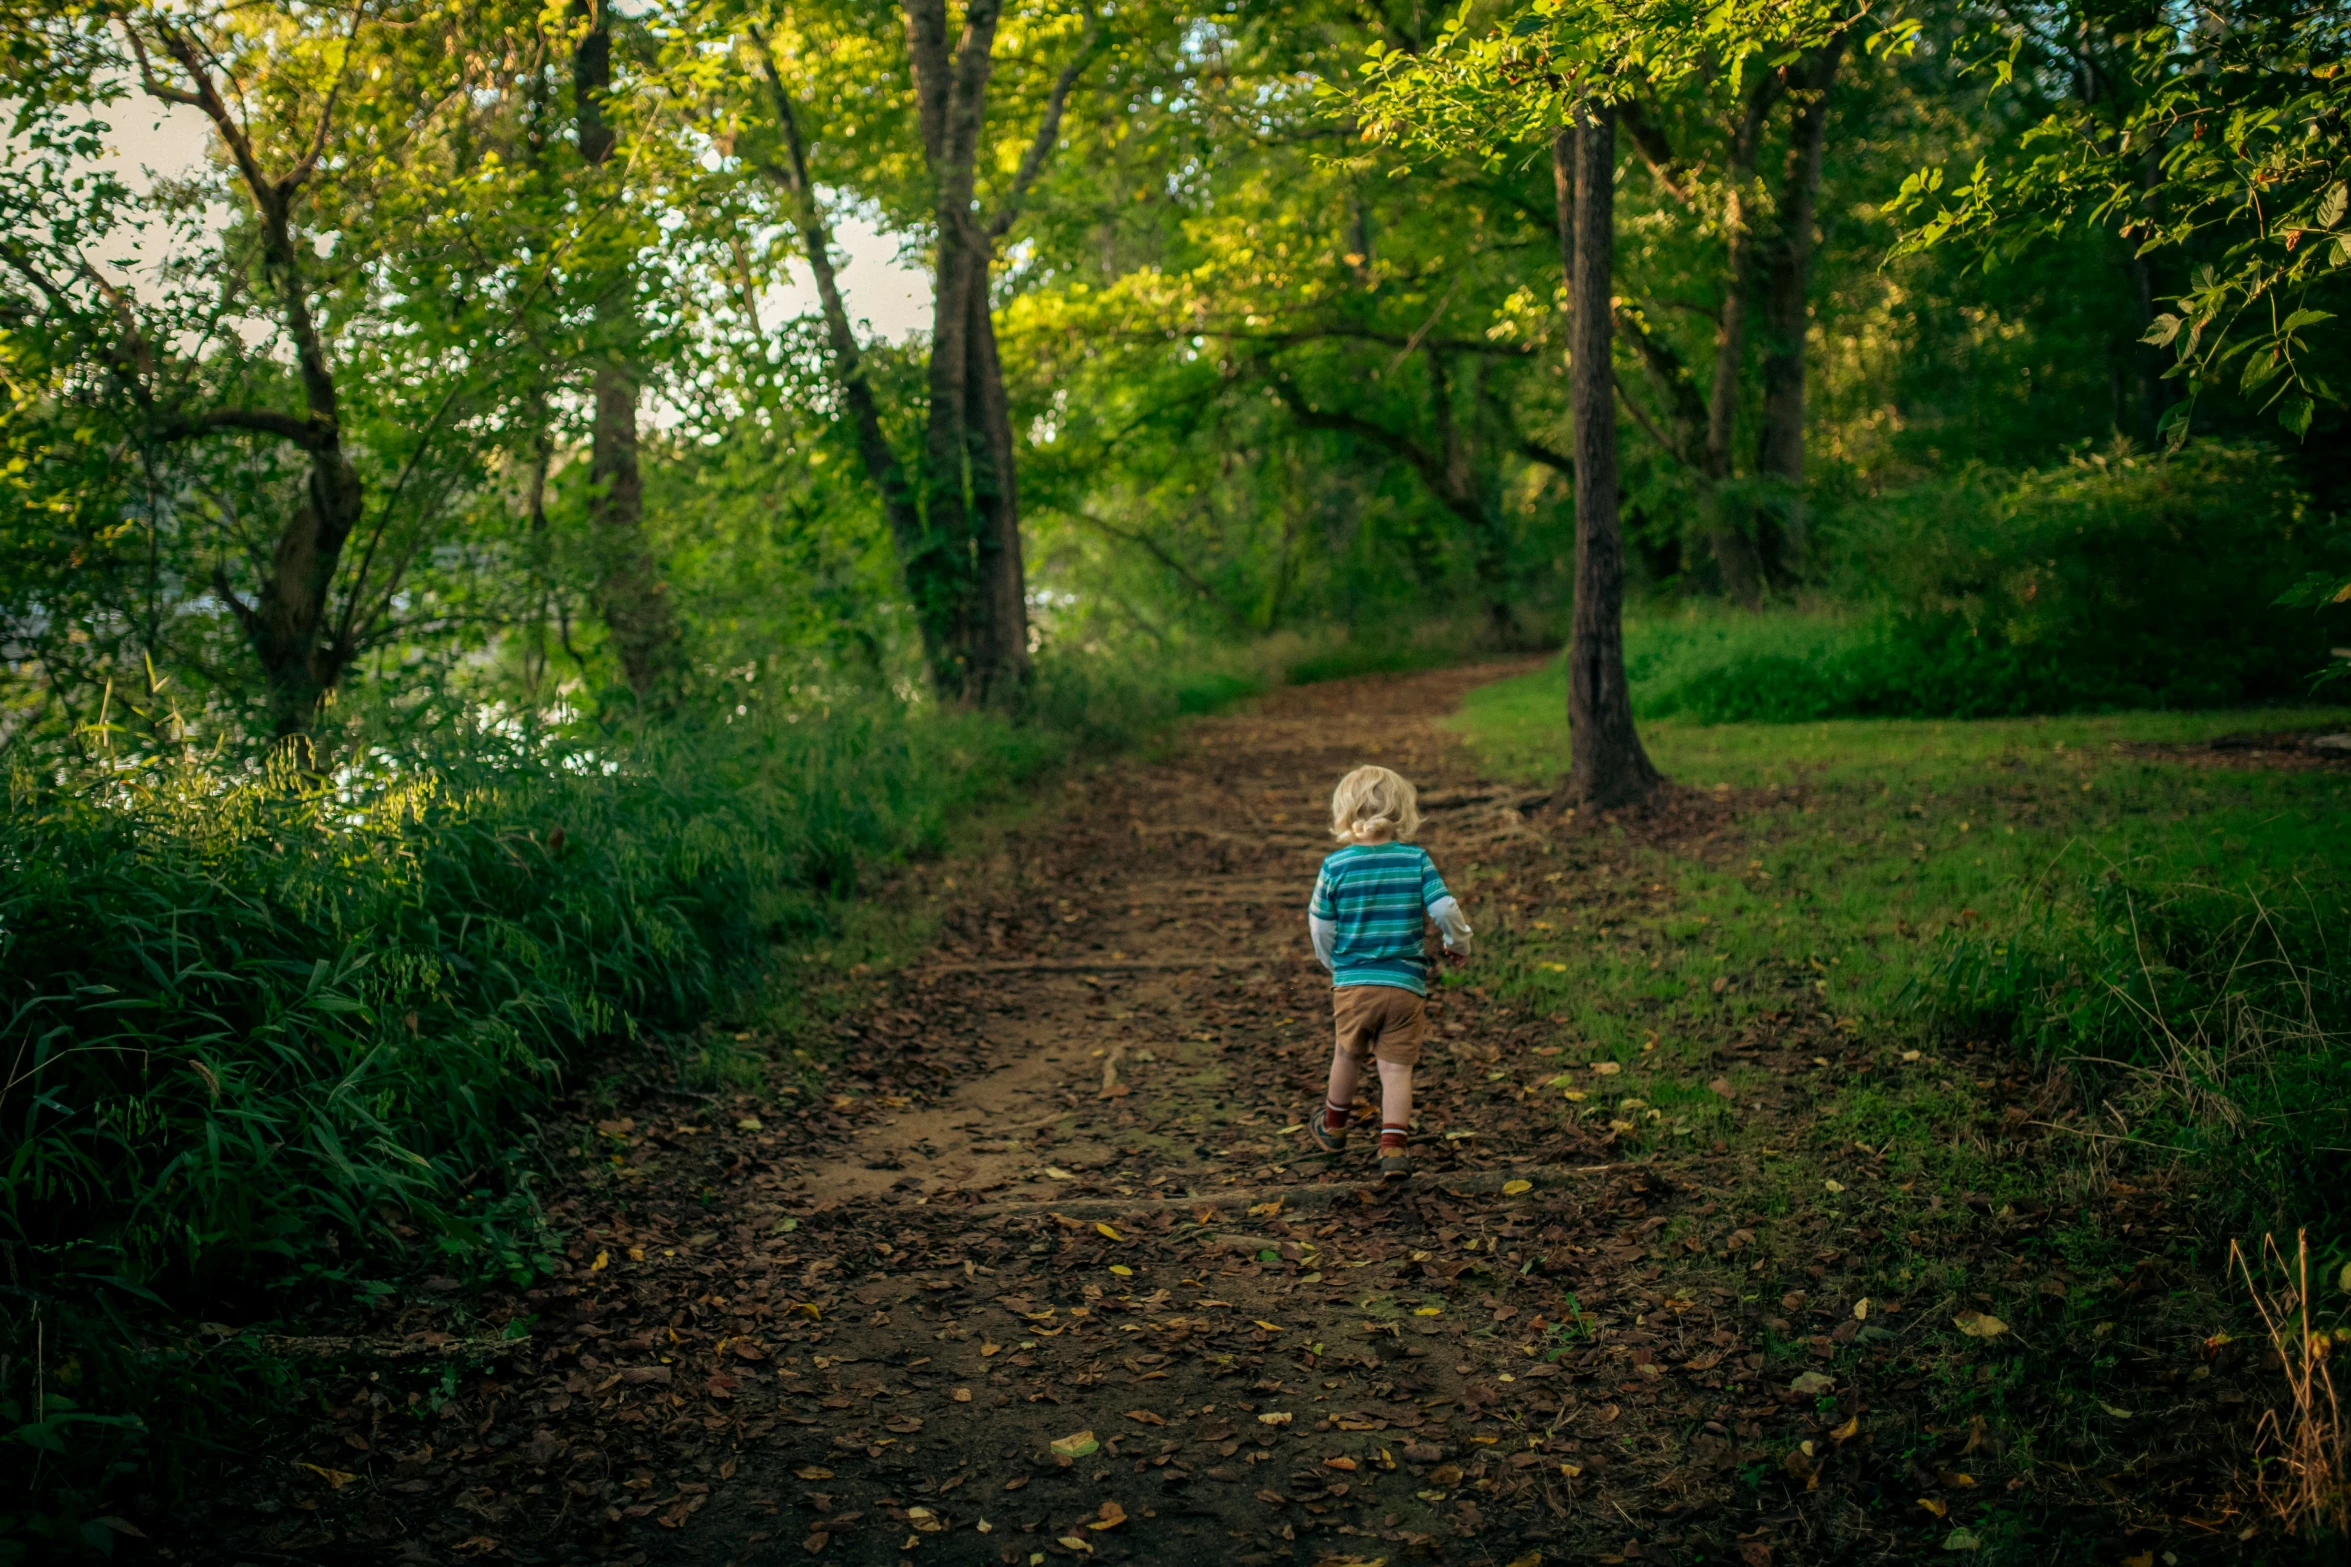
column 1786, row 291
column 1606, row 763
column 630, row 595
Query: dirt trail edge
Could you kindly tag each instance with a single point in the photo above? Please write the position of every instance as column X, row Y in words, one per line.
column 1053, row 1272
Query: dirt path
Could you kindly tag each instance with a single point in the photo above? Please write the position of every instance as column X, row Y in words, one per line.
column 1052, row 1273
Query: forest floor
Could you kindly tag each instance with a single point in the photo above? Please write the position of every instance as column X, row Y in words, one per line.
column 1034, row 1261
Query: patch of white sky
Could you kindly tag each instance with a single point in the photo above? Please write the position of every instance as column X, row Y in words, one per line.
column 889, row 297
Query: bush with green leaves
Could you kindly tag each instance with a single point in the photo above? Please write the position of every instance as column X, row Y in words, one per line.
column 2111, row 582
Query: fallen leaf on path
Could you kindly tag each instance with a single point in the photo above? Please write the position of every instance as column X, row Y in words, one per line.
column 1122, row 1270
column 1110, row 1516
column 961, row 1395
column 1078, row 1444
column 1146, row 1417
column 1266, row 1210
column 1107, row 1233
column 1607, row 1068
column 1861, row 1309
column 1935, row 1505
column 987, row 1349
column 1961, row 1540
column 814, row 1545
column 1957, row 1481
column 1979, row 1324
column 1513, row 1188
column 812, row 1472
column 1275, row 1417
column 904, row 1425
column 336, row 1479
column 1340, row 1462
column 1811, row 1384
column 1071, row 1542
column 1059, row 1174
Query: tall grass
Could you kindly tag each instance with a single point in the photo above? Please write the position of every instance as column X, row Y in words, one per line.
column 2205, row 1026
column 262, row 1030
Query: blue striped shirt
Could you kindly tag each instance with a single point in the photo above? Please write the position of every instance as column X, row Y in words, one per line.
column 1374, row 895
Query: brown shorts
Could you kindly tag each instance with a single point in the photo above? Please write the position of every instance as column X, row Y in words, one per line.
column 1380, row 1021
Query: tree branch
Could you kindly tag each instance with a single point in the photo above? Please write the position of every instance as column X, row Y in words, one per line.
column 309, row 434
column 1032, row 162
column 1536, row 451
column 1665, row 165
column 1152, row 548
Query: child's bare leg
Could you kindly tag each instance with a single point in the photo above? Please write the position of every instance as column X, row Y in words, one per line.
column 1344, row 1073
column 1395, row 1102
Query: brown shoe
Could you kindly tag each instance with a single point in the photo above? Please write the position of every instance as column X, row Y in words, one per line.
column 1395, row 1165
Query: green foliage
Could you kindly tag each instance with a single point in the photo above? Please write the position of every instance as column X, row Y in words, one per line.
column 2192, row 115
column 286, row 1033
column 2111, row 582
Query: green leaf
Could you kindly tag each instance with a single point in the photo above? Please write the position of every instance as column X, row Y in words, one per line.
column 2330, row 205
column 2303, row 318
column 2295, row 414
column 2162, row 330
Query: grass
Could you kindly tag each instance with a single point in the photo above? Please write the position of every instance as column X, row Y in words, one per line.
column 2001, row 930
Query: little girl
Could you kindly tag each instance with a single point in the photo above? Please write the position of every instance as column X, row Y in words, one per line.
column 1366, row 924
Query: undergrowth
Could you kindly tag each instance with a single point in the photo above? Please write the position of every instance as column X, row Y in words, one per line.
column 272, row 1038
column 2113, row 582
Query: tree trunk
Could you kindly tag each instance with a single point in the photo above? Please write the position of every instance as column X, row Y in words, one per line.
column 630, row 594
column 1787, row 277
column 888, row 475
column 301, row 649
column 1734, row 552
column 1606, row 764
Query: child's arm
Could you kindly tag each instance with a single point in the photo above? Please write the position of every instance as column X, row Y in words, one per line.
column 1444, row 909
column 1322, row 922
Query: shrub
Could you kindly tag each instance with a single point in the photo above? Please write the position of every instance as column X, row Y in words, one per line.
column 2113, row 582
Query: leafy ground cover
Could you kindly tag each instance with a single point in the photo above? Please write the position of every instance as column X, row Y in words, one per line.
column 1728, row 1245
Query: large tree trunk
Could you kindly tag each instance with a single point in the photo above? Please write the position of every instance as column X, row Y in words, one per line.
column 956, row 516
column 1787, row 278
column 971, row 511
column 630, row 594
column 1606, row 764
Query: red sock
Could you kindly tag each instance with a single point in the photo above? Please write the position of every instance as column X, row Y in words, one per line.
column 1391, row 1136
column 1334, row 1117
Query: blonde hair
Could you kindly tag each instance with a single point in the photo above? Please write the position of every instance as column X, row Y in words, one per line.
column 1371, row 800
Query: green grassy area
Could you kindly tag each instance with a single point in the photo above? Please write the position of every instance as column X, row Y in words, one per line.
column 2021, row 880
column 2090, row 1018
